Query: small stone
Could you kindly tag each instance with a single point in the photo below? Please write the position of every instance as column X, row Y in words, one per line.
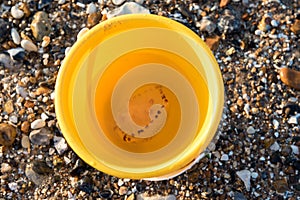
column 224, row 3
column 13, row 186
column 213, row 42
column 275, row 147
column 254, row 175
column 120, row 182
column 295, row 149
column 245, row 176
column 294, row 119
column 82, row 32
column 25, row 126
column 118, row 2
column 281, row 186
column 13, row 119
column 42, row 90
column 275, row 124
column 41, row 25
column 230, row 51
column 61, row 2
column 28, row 45
column 7, row 134
column 128, row 8
column 229, row 22
column 93, row 19
column 5, row 168
column 60, row 144
column 131, row 197
column 15, row 36
column 91, row 8
column 207, row 25
column 41, row 136
column 123, row 190
column 33, row 176
column 251, row 130
column 296, row 27
column 239, row 196
column 25, row 8
column 224, row 157
column 41, row 167
column 46, row 41
column 274, row 23
column 4, row 29
column 9, row 107
column 38, row 123
column 16, row 12
column 25, row 141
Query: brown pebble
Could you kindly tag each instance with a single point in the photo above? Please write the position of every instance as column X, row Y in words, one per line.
column 93, row 19
column 224, row 3
column 296, row 27
column 290, row 77
column 131, row 197
column 25, row 127
column 123, row 190
column 66, row 7
column 213, row 42
column 281, row 186
column 42, row 90
column 29, row 104
column 9, row 107
column 7, row 134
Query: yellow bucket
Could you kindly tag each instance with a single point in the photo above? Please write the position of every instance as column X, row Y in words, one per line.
column 139, row 96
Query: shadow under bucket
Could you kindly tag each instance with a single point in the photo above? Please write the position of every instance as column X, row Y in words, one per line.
column 140, row 97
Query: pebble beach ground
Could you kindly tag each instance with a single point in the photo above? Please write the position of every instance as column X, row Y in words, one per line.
column 256, row 44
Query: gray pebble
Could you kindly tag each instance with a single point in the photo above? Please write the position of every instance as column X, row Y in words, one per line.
column 40, row 25
column 25, row 141
column 275, row 146
column 224, row 157
column 60, row 144
column 128, row 8
column 245, row 176
column 6, row 61
column 91, row 8
column 15, row 36
column 33, row 176
column 40, row 136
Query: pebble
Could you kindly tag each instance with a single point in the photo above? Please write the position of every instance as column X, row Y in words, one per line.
column 25, row 141
column 5, row 168
column 281, row 186
column 224, row 3
column 25, row 8
column 36, row 178
column 40, row 25
column 239, row 196
column 28, row 45
column 296, row 27
column 13, row 119
column 4, row 29
column 295, row 149
column 16, row 12
column 13, row 186
column 106, row 194
column 60, row 144
column 46, row 41
column 290, row 77
column 251, row 130
column 275, row 146
column 294, row 119
column 9, row 107
column 41, row 136
column 275, row 124
column 93, row 19
column 38, row 123
column 264, row 24
column 274, row 23
column 7, row 134
column 118, row 2
column 245, row 176
column 91, row 8
column 213, row 42
column 254, row 175
column 25, row 126
column 207, row 25
column 224, row 157
column 128, row 8
column 15, row 36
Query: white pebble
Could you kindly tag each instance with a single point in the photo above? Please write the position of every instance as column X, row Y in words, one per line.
column 91, row 8
column 28, row 45
column 16, row 12
column 82, row 32
column 258, row 32
column 294, row 119
column 295, row 149
column 244, row 175
column 38, row 123
column 13, row 119
column 275, row 124
column 81, row 5
column 61, row 2
column 15, row 36
column 224, row 157
column 120, row 182
column 254, row 175
column 13, row 186
column 44, row 116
